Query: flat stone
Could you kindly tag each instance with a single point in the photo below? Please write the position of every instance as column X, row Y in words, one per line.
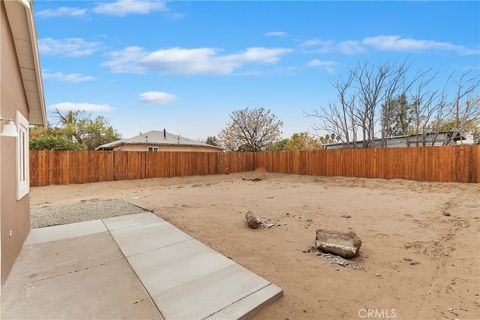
column 138, row 239
column 346, row 245
column 132, row 220
column 66, row 231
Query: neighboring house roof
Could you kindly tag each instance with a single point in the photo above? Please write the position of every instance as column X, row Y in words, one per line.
column 157, row 138
column 20, row 19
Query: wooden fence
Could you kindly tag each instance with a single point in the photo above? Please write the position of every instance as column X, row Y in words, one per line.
column 447, row 164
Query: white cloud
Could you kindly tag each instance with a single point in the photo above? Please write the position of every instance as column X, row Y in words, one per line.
column 329, row 46
column 328, row 66
column 62, row 11
column 350, row 47
column 66, row 77
column 88, row 107
column 397, row 43
column 126, row 60
column 276, row 34
column 122, row 8
column 71, row 47
column 315, row 43
column 384, row 43
column 157, row 97
column 196, row 61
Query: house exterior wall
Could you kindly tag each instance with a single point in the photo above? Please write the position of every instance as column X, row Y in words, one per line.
column 144, row 147
column 396, row 142
column 15, row 214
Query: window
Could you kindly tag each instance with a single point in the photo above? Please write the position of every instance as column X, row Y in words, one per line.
column 23, row 179
column 152, row 148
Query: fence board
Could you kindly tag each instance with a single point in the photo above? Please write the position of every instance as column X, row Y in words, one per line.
column 445, row 164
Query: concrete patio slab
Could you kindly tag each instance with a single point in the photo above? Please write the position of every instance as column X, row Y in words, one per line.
column 249, row 305
column 52, row 259
column 80, row 278
column 66, row 231
column 132, row 220
column 138, row 239
column 185, row 278
column 129, row 267
column 209, row 294
column 165, row 268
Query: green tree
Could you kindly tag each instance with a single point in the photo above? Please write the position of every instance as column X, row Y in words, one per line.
column 81, row 128
column 277, row 146
column 213, row 141
column 298, row 141
column 302, row 141
column 54, row 142
column 398, row 116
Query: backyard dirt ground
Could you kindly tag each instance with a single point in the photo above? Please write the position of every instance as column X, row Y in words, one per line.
column 434, row 224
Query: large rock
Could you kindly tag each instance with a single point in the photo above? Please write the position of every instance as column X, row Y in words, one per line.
column 346, row 245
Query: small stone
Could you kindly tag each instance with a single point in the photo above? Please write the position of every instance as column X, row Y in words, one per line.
column 413, row 262
column 253, row 221
column 346, row 216
column 287, row 214
column 407, row 259
column 446, row 213
column 378, row 275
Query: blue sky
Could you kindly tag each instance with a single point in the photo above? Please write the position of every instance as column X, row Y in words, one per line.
column 185, row 66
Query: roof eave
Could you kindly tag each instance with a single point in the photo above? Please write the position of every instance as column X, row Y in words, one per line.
column 20, row 15
column 113, row 144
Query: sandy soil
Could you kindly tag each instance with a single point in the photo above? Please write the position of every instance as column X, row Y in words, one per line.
column 395, row 220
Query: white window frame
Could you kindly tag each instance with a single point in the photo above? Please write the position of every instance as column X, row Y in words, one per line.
column 153, row 149
column 23, row 172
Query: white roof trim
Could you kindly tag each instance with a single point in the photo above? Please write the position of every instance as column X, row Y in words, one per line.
column 21, row 21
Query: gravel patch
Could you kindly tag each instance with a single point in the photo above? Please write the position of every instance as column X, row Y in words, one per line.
column 83, row 211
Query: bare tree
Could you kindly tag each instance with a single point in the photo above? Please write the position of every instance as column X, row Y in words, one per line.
column 251, row 130
column 465, row 106
column 339, row 118
column 385, row 100
column 423, row 106
column 362, row 97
